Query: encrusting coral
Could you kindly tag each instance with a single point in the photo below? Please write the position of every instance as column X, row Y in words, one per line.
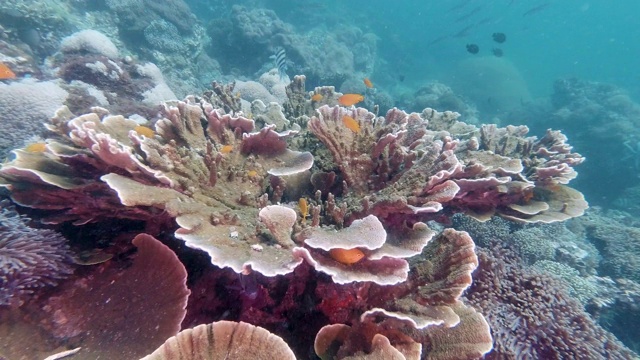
column 229, row 187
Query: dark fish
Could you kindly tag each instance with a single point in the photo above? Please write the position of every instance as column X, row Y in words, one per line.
column 464, row 32
column 499, row 37
column 29, row 36
column 281, row 62
column 437, row 40
column 401, row 78
column 473, row 48
column 458, row 7
column 469, row 14
column 484, row 21
column 497, row 52
column 536, row 9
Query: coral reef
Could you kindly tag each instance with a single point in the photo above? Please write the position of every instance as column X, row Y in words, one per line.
column 436, row 95
column 84, row 309
column 532, row 316
column 89, row 41
column 478, row 171
column 89, row 62
column 326, row 226
column 594, row 113
column 324, row 57
column 24, row 106
column 618, row 245
column 341, row 229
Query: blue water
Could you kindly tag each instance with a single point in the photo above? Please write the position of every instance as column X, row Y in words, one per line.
column 586, row 39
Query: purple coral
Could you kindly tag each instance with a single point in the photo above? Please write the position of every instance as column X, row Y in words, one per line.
column 29, row 258
column 532, row 317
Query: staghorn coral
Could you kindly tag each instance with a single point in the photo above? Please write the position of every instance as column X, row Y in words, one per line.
column 30, row 258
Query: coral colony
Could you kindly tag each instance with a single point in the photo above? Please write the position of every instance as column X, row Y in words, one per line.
column 324, row 215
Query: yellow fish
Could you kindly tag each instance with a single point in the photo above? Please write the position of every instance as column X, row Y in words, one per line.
column 351, row 123
column 144, row 131
column 350, row 99
column 36, row 147
column 226, row 149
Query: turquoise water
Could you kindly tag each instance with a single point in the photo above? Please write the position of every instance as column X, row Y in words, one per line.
column 594, row 40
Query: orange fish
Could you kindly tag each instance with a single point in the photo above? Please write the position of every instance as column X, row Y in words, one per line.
column 316, row 97
column 347, row 257
column 36, row 147
column 226, row 149
column 304, row 207
column 252, row 173
column 6, row 73
column 144, row 131
column 368, row 83
column 351, row 123
column 350, row 99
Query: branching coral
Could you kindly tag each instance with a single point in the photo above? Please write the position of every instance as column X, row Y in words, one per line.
column 532, row 316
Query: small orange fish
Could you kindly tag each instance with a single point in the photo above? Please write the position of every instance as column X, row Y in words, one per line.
column 144, row 131
column 368, row 83
column 36, row 147
column 252, row 173
column 351, row 123
column 316, row 97
column 226, row 149
column 350, row 99
column 347, row 257
column 304, row 207
column 6, row 73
